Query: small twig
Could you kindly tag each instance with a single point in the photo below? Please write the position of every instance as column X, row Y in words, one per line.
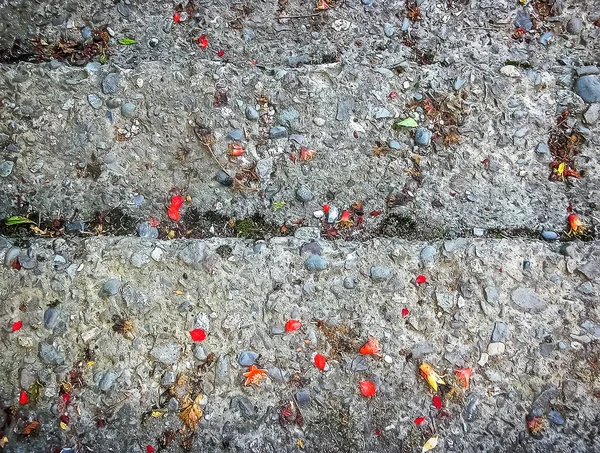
column 212, row 153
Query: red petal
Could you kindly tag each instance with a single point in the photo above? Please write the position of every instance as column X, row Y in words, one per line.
column 17, row 326
column 420, row 280
column 375, row 213
column 437, row 402
column 404, row 312
column 174, row 214
column 345, row 216
column 66, row 397
column 367, row 388
column 393, row 95
column 198, row 334
column 325, row 208
column 176, row 201
column 23, row 398
column 149, row 449
column 320, row 362
column 420, row 420
column 292, row 324
column 220, row 53
column 176, row 17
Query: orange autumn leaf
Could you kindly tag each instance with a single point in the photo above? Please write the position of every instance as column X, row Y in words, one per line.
column 32, row 428
column 463, row 376
column 371, row 347
column 432, row 378
column 254, row 375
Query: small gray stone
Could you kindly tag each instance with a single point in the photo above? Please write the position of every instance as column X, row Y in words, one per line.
column 50, row 355
column 277, row 330
column 110, row 288
column 251, row 113
column 592, row 114
column 380, row 273
column 446, row 300
column 304, row 194
column 542, row 148
column 26, row 378
column 333, row 214
column 358, row 363
column 542, row 402
column 575, row 26
column 388, row 30
column 423, row 136
column 587, row 70
column 11, row 255
column 459, row 83
column 405, row 24
column 546, row 38
column 528, row 300
column 224, row 179
column 349, row 283
column 316, row 263
column 146, row 231
column 128, row 110
column 319, row 121
column 110, row 84
column 243, row 404
column 247, row 358
column 94, row 101
column 288, row 117
column 6, row 168
column 86, row 33
column 382, row 113
column 222, row 370
column 588, row 89
column 591, row 269
column 193, row 253
column 394, row 144
column 303, row 398
column 27, row 261
column 123, row 9
column 168, row 378
column 199, row 352
column 556, row 417
column 491, row 295
column 173, row 405
column 278, row 132
column 586, row 288
column 591, row 327
column 166, row 353
column 107, row 380
column 249, row 34
column 236, row 134
column 344, row 109
column 499, row 332
column 496, row 349
column 523, row 20
column 547, row 349
column 428, row 255
column 549, row 235
column 113, row 103
column 50, row 318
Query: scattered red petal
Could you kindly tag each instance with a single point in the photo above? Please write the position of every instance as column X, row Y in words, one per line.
column 176, row 201
column 500, row 270
column 153, row 222
column 393, row 95
column 463, row 376
column 370, row 347
column 404, row 312
column 66, row 397
column 17, row 326
column 15, row 264
column 220, row 53
column 23, row 398
column 326, row 208
column 253, row 63
column 320, row 362
column 174, row 214
column 202, row 41
column 345, row 216
column 367, row 388
column 377, row 433
column 307, row 153
column 420, row 420
column 292, row 324
column 485, row 161
column 570, row 208
column 437, row 402
column 375, row 213
column 149, row 449
column 420, row 280
column 65, row 419
column 452, row 194
column 198, row 334
column 173, row 211
column 293, row 157
column 176, row 17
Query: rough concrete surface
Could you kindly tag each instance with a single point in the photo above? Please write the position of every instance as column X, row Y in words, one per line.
column 400, row 171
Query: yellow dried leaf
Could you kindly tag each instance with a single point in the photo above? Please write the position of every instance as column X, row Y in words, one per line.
column 300, row 443
column 3, row 441
column 430, row 444
column 191, row 415
column 178, row 292
column 63, row 425
column 157, row 414
column 91, row 363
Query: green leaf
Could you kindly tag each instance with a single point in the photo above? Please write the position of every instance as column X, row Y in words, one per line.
column 408, row 122
column 277, row 205
column 127, row 41
column 17, row 220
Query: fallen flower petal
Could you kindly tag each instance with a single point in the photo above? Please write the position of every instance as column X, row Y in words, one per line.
column 17, row 326
column 463, row 376
column 202, row 41
column 176, row 201
column 345, row 220
column 326, row 208
column 393, row 95
column 236, row 150
column 176, row 17
column 404, row 312
column 420, row 420
column 198, row 334
column 437, row 402
column 320, row 362
column 254, row 375
column 23, row 398
column 420, row 280
column 368, row 388
column 322, row 5
column 220, row 53
column 149, row 449
column 307, row 153
column 576, row 227
column 430, row 444
column 375, row 213
column 371, row 347
column 432, row 378
column 292, row 324
column 174, row 214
